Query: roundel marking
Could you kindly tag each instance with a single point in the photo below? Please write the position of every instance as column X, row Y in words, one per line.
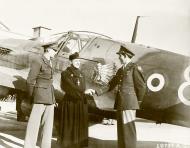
column 161, row 79
column 180, row 93
column 183, row 86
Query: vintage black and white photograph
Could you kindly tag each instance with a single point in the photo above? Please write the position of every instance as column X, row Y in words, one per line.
column 94, row 74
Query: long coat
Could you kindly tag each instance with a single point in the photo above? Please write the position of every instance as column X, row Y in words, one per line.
column 74, row 109
column 39, row 81
column 130, row 85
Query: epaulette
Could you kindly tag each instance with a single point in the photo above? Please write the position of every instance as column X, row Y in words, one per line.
column 139, row 68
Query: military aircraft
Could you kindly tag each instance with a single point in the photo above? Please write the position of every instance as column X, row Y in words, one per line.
column 167, row 74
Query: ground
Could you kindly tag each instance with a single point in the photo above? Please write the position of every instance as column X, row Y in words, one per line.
column 149, row 134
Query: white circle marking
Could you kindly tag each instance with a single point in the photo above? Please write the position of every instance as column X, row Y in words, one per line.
column 161, row 79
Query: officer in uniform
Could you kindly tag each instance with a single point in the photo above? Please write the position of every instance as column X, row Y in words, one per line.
column 131, row 88
column 40, row 90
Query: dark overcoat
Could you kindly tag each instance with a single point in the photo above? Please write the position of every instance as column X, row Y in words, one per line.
column 39, row 81
column 73, row 84
column 74, row 109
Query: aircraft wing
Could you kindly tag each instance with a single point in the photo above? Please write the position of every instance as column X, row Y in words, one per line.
column 18, row 45
column 13, row 78
column 14, row 61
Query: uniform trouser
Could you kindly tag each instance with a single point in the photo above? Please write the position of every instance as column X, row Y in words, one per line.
column 126, row 130
column 41, row 115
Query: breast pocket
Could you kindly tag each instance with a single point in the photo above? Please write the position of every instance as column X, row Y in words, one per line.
column 46, row 69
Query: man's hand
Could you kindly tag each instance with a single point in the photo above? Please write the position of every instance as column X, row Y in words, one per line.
column 90, row 92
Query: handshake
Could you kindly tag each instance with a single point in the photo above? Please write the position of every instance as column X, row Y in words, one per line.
column 90, row 92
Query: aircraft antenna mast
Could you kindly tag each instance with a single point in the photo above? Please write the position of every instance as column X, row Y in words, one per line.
column 135, row 30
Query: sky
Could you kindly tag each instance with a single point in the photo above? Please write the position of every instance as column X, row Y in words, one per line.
column 114, row 18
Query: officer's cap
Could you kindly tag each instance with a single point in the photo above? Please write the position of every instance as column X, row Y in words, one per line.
column 74, row 56
column 124, row 51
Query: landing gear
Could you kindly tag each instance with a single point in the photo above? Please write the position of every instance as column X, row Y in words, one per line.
column 20, row 114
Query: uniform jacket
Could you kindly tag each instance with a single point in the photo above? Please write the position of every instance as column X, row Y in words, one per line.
column 73, row 84
column 131, row 87
column 39, row 81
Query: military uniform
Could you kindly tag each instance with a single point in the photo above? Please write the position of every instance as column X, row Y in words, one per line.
column 131, row 88
column 74, row 109
column 129, row 81
column 40, row 90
